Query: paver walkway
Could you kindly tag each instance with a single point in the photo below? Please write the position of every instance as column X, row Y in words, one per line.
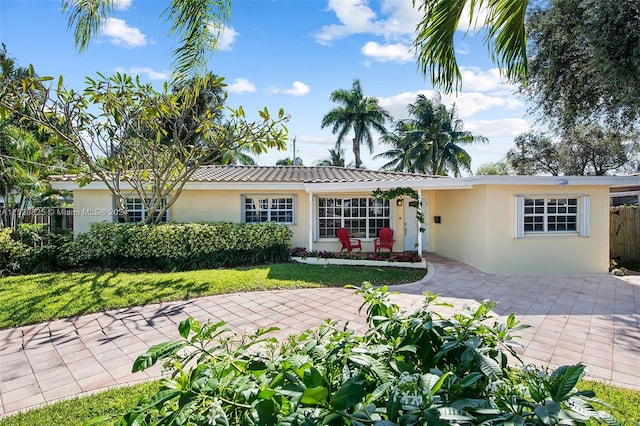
column 594, row 319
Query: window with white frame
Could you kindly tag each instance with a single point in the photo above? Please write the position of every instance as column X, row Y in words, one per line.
column 260, row 208
column 541, row 214
column 137, row 212
column 362, row 216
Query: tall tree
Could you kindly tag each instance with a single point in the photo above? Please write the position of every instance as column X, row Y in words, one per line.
column 289, row 162
column 400, row 155
column 584, row 62
column 336, row 158
column 590, row 150
column 27, row 155
column 534, row 153
column 429, row 142
column 500, row 168
column 357, row 113
column 139, row 142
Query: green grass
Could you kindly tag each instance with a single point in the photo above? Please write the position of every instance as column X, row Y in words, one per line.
column 625, row 401
column 79, row 410
column 31, row 299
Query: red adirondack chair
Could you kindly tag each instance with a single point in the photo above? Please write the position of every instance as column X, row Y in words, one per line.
column 385, row 241
column 348, row 243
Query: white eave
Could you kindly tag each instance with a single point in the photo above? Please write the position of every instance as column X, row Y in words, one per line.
column 417, row 184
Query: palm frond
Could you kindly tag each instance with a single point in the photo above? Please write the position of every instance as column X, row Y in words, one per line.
column 199, row 24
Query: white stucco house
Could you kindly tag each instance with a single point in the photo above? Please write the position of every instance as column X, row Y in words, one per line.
column 498, row 224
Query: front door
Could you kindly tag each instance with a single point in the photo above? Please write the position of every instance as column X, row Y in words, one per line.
column 411, row 225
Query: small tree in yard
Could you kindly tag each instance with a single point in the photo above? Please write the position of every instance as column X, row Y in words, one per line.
column 140, row 142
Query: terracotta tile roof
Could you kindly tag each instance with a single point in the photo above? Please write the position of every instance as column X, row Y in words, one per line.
column 300, row 174
column 319, row 174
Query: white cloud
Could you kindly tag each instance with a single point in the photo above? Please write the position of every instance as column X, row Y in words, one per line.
column 479, row 18
column 502, row 128
column 241, row 85
column 387, row 53
column 297, row 89
column 484, row 81
column 227, row 38
column 468, row 104
column 150, row 73
column 355, row 17
column 122, row 4
column 397, row 20
column 122, row 34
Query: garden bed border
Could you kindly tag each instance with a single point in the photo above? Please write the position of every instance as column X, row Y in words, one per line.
column 360, row 262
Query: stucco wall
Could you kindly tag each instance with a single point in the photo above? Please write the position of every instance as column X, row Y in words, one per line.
column 478, row 228
column 462, row 231
column 210, row 205
column 90, row 206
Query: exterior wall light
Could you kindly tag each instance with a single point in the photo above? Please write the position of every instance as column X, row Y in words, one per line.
column 399, row 202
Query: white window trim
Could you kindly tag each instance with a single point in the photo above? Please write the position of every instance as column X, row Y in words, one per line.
column 584, row 217
column 294, row 198
column 116, row 215
column 316, row 207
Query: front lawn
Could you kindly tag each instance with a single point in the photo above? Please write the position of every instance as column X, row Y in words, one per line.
column 31, row 299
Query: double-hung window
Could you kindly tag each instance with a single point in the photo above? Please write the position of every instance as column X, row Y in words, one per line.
column 260, row 208
column 559, row 215
column 137, row 212
column 362, row 216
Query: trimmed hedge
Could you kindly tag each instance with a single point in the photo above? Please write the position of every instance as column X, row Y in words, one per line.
column 179, row 246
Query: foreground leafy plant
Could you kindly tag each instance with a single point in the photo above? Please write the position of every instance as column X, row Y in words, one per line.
column 407, row 369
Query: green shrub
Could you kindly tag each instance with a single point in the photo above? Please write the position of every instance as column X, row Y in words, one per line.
column 13, row 254
column 179, row 246
column 406, row 369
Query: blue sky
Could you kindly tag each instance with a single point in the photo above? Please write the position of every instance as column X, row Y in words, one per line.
column 274, row 53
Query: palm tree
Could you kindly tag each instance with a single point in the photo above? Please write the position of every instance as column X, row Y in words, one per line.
column 400, row 154
column 505, row 37
column 289, row 162
column 429, row 142
column 358, row 113
column 336, row 158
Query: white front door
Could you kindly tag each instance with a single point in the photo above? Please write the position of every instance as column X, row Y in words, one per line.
column 411, row 225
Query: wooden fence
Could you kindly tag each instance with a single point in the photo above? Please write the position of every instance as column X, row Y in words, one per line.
column 624, row 233
column 54, row 217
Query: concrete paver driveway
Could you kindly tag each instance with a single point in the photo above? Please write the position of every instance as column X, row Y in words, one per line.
column 593, row 319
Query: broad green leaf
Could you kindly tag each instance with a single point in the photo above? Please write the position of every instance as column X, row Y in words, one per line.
column 489, row 366
column 373, row 364
column 315, row 396
column 564, row 380
column 515, row 420
column 185, row 327
column 312, row 378
column 349, row 394
column 548, row 414
column 266, row 412
column 608, row 418
column 151, row 356
column 470, row 379
column 453, row 414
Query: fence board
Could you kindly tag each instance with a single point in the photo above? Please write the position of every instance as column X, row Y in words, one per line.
column 624, row 233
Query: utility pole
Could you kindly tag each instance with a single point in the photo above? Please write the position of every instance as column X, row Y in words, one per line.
column 294, row 162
